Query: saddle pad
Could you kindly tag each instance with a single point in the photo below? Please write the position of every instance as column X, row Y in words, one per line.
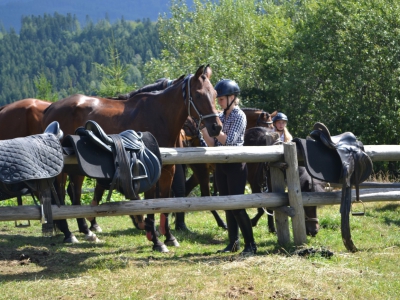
column 320, row 161
column 32, row 157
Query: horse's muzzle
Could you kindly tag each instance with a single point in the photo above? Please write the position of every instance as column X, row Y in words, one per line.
column 215, row 130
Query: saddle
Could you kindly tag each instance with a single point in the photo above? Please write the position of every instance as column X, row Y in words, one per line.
column 30, row 165
column 337, row 159
column 129, row 162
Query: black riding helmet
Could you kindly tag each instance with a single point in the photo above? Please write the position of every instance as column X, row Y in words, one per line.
column 280, row 116
column 227, row 87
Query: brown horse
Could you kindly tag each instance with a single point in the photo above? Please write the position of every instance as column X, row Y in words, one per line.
column 259, row 175
column 160, row 113
column 23, row 118
column 201, row 172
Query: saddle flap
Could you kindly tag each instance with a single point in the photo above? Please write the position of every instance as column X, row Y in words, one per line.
column 93, row 161
column 321, row 162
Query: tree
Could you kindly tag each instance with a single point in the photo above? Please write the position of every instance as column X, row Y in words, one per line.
column 44, row 88
column 113, row 76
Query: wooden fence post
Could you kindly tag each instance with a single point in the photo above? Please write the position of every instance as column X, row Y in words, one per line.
column 278, row 185
column 294, row 192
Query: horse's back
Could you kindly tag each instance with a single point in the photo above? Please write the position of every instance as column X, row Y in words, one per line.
column 22, row 118
column 74, row 111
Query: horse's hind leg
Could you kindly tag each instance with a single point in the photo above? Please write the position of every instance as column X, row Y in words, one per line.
column 75, row 192
column 62, row 225
column 151, row 235
column 165, row 229
column 219, row 220
column 257, row 217
column 97, row 196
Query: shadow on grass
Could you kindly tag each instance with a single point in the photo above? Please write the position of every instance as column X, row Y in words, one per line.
column 390, row 208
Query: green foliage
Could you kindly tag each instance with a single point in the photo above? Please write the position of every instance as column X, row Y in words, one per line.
column 44, row 88
column 113, row 76
column 331, row 61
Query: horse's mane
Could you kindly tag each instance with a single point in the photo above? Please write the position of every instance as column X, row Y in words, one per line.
column 2, row 107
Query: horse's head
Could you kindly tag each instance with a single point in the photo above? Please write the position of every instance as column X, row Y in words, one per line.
column 201, row 104
column 265, row 120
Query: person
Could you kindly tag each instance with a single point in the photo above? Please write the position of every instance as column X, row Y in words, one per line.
column 231, row 177
column 280, row 121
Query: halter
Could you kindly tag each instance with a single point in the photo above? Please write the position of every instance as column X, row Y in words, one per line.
column 259, row 121
column 190, row 101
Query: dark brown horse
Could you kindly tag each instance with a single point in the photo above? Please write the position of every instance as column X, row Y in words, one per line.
column 201, row 172
column 259, row 175
column 161, row 113
column 23, row 118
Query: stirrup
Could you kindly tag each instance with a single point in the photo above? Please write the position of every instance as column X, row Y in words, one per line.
column 358, row 213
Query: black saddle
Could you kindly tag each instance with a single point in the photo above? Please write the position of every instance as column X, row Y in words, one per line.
column 337, row 159
column 29, row 165
column 129, row 161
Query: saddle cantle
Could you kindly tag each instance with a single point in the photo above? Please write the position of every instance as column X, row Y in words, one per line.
column 337, row 159
column 129, row 161
column 29, row 165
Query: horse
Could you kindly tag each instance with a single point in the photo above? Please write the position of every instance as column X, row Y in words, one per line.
column 259, row 175
column 201, row 172
column 23, row 118
column 160, row 113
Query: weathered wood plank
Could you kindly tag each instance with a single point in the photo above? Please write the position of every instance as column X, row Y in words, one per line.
column 229, row 154
column 29, row 212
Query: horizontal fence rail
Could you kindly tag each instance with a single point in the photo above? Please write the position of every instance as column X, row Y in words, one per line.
column 231, row 154
column 190, row 204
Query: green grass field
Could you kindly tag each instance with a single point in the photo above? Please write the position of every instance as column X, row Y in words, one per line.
column 123, row 266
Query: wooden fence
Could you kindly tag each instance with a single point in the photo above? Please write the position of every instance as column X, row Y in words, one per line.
column 286, row 204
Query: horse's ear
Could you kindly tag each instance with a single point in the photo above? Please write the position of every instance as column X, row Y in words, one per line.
column 274, row 113
column 207, row 71
column 199, row 72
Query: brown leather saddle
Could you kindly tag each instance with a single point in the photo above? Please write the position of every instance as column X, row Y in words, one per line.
column 337, row 159
column 29, row 165
column 129, row 162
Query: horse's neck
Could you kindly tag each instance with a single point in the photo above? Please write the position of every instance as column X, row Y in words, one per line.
column 168, row 106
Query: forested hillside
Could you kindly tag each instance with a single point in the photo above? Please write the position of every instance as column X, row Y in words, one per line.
column 11, row 11
column 64, row 51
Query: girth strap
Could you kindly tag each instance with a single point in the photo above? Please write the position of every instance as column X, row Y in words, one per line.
column 124, row 163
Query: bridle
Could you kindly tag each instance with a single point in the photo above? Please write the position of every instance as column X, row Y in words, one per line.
column 259, row 121
column 189, row 102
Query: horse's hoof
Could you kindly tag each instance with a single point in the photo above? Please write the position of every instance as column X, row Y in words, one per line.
column 96, row 228
column 160, row 248
column 71, row 240
column 91, row 237
column 174, row 242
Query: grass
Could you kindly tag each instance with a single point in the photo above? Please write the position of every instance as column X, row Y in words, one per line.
column 123, row 266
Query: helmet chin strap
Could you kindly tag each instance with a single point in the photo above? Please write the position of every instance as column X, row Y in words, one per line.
column 230, row 104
